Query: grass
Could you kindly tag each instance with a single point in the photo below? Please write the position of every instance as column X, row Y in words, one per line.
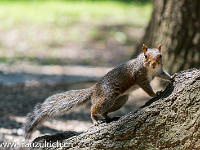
column 70, row 32
column 64, row 13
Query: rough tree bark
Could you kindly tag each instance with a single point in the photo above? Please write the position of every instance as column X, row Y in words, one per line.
column 170, row 120
column 176, row 25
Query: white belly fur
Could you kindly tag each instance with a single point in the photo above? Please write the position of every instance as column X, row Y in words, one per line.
column 131, row 89
column 153, row 72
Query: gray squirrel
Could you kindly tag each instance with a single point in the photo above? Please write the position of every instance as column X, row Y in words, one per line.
column 109, row 94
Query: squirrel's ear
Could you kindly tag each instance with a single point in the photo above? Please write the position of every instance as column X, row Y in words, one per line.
column 159, row 47
column 144, row 47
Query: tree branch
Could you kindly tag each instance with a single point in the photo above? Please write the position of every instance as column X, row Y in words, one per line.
column 170, row 120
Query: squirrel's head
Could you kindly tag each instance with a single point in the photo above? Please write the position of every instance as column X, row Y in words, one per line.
column 152, row 57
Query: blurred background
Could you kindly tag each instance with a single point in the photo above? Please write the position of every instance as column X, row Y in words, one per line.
column 51, row 46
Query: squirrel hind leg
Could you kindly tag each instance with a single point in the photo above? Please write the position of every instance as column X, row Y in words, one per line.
column 101, row 107
column 94, row 115
column 106, row 117
column 95, row 119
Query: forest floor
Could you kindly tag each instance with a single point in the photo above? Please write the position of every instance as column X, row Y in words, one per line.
column 59, row 49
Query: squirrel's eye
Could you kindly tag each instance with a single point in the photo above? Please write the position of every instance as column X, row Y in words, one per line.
column 145, row 56
column 160, row 56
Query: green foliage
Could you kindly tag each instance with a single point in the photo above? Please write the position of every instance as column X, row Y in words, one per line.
column 64, row 13
column 45, row 31
column 124, row 1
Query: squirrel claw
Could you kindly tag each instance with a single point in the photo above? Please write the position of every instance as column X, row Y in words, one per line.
column 173, row 76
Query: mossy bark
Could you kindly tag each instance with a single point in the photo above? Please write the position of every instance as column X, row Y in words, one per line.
column 169, row 121
column 176, row 25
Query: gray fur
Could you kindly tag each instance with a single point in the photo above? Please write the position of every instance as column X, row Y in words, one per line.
column 53, row 106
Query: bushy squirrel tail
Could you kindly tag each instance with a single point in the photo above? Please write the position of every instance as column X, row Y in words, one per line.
column 55, row 105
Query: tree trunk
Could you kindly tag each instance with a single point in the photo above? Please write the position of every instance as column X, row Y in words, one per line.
column 176, row 25
column 170, row 120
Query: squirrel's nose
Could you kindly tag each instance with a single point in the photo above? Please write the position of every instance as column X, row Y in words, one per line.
column 154, row 64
